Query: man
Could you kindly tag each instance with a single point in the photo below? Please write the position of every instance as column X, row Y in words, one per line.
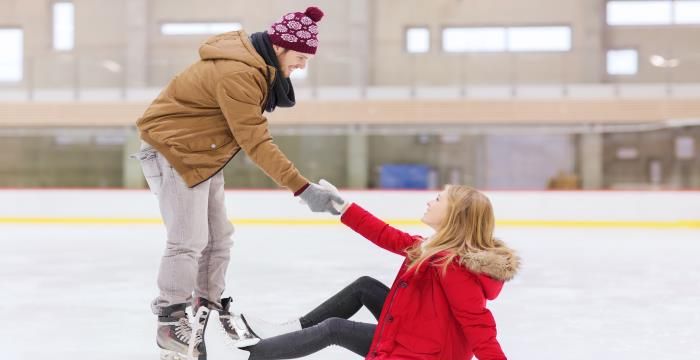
column 191, row 131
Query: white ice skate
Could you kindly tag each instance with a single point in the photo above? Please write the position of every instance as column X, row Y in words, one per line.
column 235, row 327
column 265, row 329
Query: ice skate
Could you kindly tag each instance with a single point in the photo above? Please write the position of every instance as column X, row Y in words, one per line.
column 174, row 336
column 265, row 329
column 235, row 327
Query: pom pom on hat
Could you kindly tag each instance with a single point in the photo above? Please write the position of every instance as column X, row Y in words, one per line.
column 314, row 13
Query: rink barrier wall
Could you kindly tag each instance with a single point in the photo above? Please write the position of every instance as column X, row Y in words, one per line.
column 518, row 209
column 656, row 106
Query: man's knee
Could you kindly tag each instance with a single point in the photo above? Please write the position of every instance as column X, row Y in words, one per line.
column 193, row 250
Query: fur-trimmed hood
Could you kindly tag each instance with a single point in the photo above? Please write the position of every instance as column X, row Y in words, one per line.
column 500, row 263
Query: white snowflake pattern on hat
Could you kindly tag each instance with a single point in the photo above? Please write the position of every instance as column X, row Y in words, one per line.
column 294, row 25
column 297, row 30
column 289, row 38
column 303, row 34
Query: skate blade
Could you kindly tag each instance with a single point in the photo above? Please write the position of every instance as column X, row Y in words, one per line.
column 245, row 343
column 173, row 355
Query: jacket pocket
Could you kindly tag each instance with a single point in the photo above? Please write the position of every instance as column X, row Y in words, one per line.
column 209, row 143
column 418, row 344
column 148, row 158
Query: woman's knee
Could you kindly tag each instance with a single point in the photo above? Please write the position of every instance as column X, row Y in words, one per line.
column 333, row 325
column 366, row 282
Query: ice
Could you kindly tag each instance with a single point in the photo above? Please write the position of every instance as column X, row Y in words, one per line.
column 83, row 292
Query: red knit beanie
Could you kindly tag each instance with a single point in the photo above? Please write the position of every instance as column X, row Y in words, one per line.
column 297, row 31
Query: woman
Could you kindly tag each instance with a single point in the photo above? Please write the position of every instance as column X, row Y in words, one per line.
column 436, row 307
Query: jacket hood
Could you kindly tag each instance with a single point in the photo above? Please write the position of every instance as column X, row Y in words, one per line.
column 493, row 266
column 234, row 45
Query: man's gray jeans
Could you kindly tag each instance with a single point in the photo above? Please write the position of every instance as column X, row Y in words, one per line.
column 199, row 233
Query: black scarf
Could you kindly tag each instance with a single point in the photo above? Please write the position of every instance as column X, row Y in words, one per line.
column 280, row 93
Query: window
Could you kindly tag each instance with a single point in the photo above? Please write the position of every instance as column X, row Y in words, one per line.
column 551, row 38
column 198, row 28
column 418, row 40
column 622, row 62
column 63, row 26
column 11, row 54
column 653, row 12
column 474, row 39
column 686, row 12
column 639, row 12
column 500, row 39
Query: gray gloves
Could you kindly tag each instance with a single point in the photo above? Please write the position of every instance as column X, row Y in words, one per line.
column 321, row 198
column 338, row 205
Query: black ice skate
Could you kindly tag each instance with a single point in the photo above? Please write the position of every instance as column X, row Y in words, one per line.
column 177, row 338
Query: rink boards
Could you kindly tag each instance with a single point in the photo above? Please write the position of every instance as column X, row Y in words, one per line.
column 596, row 209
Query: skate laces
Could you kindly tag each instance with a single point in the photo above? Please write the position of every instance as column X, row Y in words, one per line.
column 230, row 333
column 234, row 326
column 198, row 336
column 200, row 320
column 228, row 324
column 183, row 330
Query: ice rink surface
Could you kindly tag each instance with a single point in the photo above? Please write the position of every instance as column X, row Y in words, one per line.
column 83, row 292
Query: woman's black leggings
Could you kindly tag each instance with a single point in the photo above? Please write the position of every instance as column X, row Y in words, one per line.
column 328, row 325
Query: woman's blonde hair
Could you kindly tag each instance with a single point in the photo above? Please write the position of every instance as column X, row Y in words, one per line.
column 468, row 227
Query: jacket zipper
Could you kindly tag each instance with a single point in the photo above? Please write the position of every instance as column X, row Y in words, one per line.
column 234, row 154
column 220, row 169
